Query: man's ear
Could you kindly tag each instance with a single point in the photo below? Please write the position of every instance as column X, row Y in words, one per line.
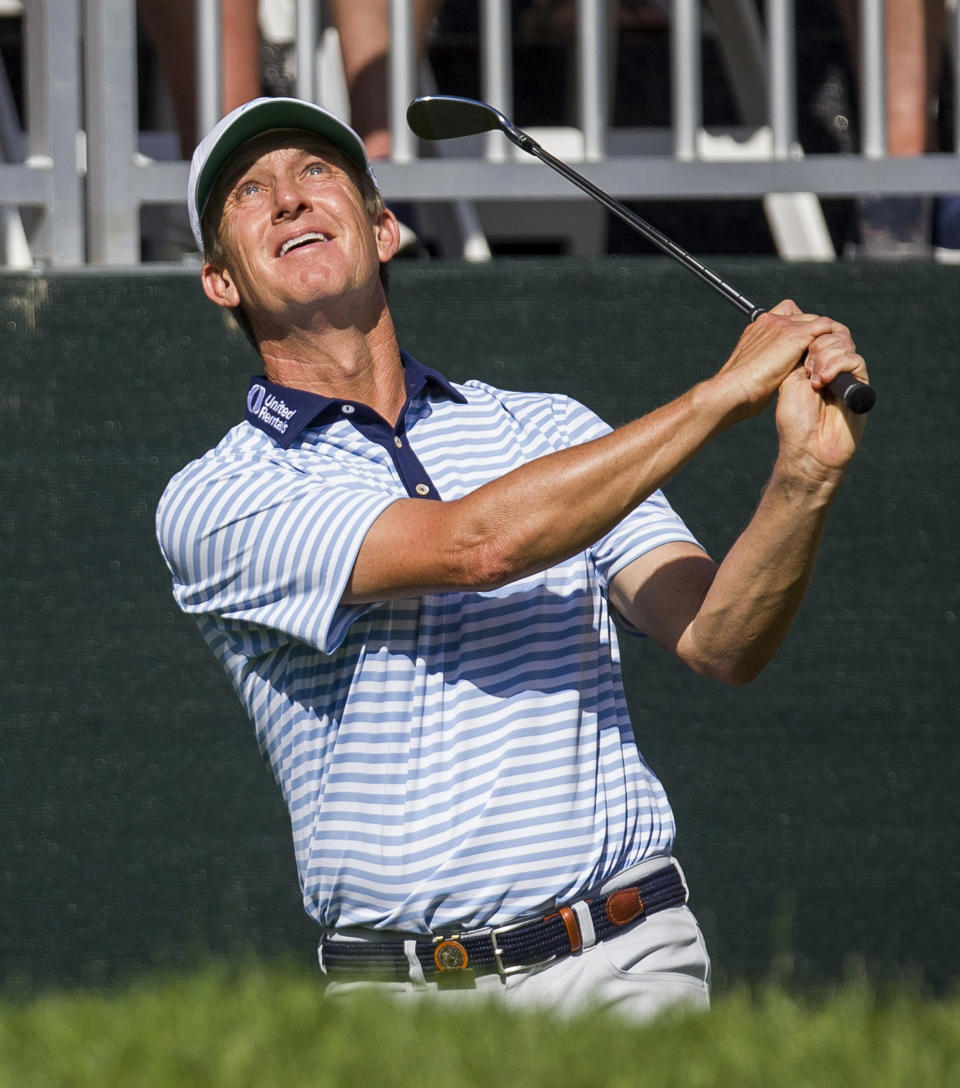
column 218, row 286
column 388, row 235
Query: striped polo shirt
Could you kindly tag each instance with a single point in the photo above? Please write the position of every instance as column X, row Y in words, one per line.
column 454, row 760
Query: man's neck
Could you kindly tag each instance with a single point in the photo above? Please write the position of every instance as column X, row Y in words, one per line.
column 344, row 363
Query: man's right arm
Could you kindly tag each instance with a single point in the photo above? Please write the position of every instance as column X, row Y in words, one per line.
column 554, row 507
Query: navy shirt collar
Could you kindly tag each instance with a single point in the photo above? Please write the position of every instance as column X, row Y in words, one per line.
column 283, row 412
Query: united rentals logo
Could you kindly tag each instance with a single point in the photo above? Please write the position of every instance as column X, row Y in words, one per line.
column 255, row 399
column 269, row 409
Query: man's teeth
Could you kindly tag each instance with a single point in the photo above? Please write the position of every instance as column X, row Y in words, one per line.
column 302, row 240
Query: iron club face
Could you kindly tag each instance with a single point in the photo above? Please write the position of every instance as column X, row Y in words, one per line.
column 445, row 117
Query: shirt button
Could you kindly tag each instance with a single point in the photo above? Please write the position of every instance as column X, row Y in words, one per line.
column 398, row 441
column 422, row 489
column 347, row 409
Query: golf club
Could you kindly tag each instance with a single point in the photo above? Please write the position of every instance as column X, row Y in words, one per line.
column 444, row 117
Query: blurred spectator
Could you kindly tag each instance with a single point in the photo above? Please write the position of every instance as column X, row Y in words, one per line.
column 896, row 226
column 363, row 27
column 364, row 30
column 171, row 27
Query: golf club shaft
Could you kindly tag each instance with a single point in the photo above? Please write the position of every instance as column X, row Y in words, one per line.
column 857, row 395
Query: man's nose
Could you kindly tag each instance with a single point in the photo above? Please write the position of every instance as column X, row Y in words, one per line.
column 289, row 198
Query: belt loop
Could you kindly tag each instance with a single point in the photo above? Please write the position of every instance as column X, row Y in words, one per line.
column 416, row 967
column 683, row 879
column 587, row 932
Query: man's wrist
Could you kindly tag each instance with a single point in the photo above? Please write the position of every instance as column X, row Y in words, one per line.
column 724, row 397
column 805, row 479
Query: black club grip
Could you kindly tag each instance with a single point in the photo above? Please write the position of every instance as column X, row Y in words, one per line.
column 855, row 394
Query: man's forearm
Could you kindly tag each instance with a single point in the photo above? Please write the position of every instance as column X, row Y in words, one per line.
column 548, row 513
column 559, row 505
column 758, row 587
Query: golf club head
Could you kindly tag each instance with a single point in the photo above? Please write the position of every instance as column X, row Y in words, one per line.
column 444, row 117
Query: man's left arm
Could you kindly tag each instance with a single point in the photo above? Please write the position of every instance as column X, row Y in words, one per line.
column 728, row 621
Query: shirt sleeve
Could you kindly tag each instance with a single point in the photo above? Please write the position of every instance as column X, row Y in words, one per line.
column 653, row 523
column 266, row 550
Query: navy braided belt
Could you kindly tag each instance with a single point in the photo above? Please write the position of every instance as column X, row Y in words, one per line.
column 507, row 949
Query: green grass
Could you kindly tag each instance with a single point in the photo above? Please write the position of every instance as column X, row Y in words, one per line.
column 266, row 1026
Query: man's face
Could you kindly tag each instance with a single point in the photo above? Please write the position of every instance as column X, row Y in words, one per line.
column 294, row 232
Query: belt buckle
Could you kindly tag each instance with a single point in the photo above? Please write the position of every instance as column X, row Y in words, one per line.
column 503, row 971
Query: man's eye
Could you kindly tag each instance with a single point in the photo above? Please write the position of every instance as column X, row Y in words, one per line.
column 248, row 188
column 316, row 168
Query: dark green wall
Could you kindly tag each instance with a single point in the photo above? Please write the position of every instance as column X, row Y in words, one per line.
column 817, row 814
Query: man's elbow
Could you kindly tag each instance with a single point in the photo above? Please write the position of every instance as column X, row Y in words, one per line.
column 490, row 566
column 736, row 669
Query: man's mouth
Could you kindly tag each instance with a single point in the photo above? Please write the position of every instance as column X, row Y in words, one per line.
column 302, row 240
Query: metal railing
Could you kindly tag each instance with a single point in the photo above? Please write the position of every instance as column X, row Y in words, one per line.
column 78, row 179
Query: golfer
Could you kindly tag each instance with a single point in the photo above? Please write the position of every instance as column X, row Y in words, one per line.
column 412, row 584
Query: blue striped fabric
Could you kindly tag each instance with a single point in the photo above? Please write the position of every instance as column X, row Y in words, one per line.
column 458, row 759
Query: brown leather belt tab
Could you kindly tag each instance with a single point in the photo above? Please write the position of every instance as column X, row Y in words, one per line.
column 573, row 929
column 625, row 905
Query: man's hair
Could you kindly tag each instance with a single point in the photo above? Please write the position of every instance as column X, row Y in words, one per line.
column 214, row 252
